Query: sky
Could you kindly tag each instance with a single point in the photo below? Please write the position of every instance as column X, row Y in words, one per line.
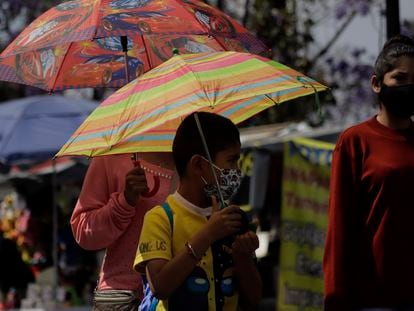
column 368, row 32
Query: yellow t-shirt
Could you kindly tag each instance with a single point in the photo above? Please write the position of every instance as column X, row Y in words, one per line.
column 202, row 290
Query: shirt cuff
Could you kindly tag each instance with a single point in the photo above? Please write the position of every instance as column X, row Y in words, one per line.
column 123, row 202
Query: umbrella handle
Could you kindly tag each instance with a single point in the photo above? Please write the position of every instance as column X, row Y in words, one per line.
column 154, row 190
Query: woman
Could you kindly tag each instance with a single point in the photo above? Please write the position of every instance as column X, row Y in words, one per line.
column 109, row 214
column 369, row 253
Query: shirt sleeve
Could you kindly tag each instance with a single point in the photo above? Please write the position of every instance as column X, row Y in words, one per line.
column 101, row 213
column 156, row 239
column 344, row 188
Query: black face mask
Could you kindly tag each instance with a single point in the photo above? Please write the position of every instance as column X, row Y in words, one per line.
column 398, row 100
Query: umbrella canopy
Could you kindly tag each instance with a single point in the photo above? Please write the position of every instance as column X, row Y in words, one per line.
column 74, row 167
column 82, row 43
column 144, row 114
column 34, row 128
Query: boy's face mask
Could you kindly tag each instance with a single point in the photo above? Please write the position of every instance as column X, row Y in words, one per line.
column 398, row 100
column 229, row 181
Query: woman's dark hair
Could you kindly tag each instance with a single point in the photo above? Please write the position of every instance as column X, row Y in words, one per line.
column 394, row 48
column 219, row 132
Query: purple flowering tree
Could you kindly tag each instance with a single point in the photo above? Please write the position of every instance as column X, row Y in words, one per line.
column 293, row 41
column 288, row 28
column 350, row 74
column 285, row 26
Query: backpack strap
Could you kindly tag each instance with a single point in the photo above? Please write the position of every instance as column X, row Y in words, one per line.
column 149, row 301
column 169, row 213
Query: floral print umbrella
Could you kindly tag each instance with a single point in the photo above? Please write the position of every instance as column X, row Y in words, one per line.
column 82, row 43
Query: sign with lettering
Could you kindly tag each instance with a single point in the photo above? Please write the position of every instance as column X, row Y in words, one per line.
column 305, row 193
column 151, row 246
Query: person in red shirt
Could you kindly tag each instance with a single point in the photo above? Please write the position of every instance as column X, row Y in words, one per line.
column 109, row 214
column 369, row 251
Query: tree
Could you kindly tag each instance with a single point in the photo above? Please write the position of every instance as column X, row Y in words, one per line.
column 393, row 17
column 293, row 42
column 285, row 26
column 288, row 28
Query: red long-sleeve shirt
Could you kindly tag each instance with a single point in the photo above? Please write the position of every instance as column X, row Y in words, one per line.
column 102, row 218
column 369, row 251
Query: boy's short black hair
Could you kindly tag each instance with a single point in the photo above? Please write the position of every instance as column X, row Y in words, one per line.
column 394, row 48
column 219, row 132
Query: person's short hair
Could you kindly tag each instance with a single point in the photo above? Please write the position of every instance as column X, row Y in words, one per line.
column 219, row 132
column 394, row 48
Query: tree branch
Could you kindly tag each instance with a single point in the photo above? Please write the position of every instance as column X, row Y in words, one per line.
column 246, row 13
column 334, row 38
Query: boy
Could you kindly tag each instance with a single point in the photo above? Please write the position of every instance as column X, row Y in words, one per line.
column 186, row 263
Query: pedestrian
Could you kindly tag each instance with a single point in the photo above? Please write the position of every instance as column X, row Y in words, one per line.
column 369, row 253
column 15, row 274
column 109, row 214
column 186, row 261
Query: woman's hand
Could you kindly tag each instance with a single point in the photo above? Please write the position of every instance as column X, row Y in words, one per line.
column 135, row 185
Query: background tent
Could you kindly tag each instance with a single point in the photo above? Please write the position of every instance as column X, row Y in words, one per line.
column 34, row 128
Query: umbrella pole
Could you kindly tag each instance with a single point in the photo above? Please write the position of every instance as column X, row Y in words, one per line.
column 55, row 231
column 213, row 171
column 124, row 43
column 146, row 52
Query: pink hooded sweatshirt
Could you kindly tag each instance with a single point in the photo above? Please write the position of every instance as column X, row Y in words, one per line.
column 103, row 219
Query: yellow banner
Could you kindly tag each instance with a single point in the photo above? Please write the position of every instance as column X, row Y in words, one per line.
column 305, row 191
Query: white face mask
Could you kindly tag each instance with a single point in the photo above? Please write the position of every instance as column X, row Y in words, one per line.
column 229, row 181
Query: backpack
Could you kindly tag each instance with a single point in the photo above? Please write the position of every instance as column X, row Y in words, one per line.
column 150, row 302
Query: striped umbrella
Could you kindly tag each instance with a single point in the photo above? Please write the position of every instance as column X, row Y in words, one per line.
column 144, row 115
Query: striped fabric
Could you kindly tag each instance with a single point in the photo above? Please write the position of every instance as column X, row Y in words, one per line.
column 144, row 114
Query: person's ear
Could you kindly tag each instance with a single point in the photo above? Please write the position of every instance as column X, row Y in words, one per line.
column 197, row 164
column 375, row 84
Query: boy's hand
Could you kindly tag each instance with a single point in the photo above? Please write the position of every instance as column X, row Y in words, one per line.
column 135, row 185
column 245, row 244
column 223, row 222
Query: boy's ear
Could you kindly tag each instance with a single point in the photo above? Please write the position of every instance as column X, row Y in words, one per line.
column 196, row 164
column 375, row 84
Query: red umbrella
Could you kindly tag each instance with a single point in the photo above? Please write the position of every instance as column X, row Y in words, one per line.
column 86, row 43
